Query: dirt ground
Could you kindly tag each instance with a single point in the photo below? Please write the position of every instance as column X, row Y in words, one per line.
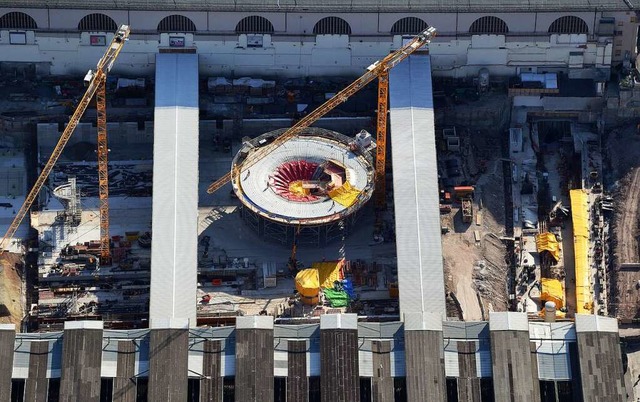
column 623, row 147
column 11, row 298
column 476, row 271
column 627, row 225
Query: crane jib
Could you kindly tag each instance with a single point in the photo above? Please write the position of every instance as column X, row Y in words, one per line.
column 377, row 69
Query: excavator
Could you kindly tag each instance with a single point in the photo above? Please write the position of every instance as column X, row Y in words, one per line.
column 379, row 69
column 95, row 82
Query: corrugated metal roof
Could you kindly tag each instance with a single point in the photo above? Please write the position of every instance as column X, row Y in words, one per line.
column 552, row 330
column 451, row 359
column 380, row 330
column 553, row 360
column 109, row 365
column 415, row 185
column 175, row 181
column 507, row 321
column 334, row 5
column 595, row 323
column 465, row 330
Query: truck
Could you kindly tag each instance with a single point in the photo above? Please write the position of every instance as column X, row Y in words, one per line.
column 467, row 210
column 465, row 195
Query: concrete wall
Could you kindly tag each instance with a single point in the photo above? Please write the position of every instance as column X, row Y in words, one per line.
column 293, row 51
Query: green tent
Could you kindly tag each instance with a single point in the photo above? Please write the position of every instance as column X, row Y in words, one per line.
column 337, row 298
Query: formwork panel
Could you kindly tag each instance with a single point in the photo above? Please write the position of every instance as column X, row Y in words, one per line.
column 7, row 338
column 254, row 365
column 124, row 384
column 36, row 385
column 425, row 365
column 513, row 370
column 168, row 368
column 339, row 379
column 81, row 364
column 601, row 366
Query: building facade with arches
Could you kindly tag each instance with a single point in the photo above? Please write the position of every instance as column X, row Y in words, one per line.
column 286, row 38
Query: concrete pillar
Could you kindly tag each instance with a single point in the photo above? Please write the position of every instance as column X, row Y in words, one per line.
column 254, row 358
column 424, row 357
column 297, row 378
column 514, row 373
column 37, row 384
column 124, row 384
column 600, row 358
column 211, row 385
column 382, row 381
column 81, row 361
column 340, row 376
column 468, row 381
column 168, row 360
column 7, row 343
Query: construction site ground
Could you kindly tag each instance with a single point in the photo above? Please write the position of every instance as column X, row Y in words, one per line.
column 624, row 153
column 11, row 289
column 220, row 219
column 476, row 271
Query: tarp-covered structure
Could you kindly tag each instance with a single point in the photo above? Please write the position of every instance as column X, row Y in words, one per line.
column 548, row 242
column 345, row 195
column 552, row 290
column 321, row 275
column 580, row 218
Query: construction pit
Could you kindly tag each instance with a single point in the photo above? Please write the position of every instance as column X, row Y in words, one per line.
column 309, row 190
column 241, row 271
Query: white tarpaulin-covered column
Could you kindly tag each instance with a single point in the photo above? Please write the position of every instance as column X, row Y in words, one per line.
column 175, row 189
column 415, row 187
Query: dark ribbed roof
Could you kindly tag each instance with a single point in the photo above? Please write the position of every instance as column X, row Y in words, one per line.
column 484, row 6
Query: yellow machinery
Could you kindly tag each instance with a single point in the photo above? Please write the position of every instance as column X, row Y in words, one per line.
column 378, row 69
column 95, row 81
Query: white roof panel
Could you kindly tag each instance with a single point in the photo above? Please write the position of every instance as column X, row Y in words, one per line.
column 415, row 185
column 175, row 185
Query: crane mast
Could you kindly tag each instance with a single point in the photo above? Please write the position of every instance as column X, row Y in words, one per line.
column 374, row 71
column 94, row 81
column 381, row 141
column 103, row 171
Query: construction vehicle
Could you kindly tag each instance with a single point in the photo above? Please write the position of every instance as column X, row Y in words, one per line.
column 379, row 69
column 96, row 86
column 465, row 195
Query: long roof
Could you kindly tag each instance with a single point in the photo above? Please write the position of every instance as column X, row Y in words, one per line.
column 415, row 186
column 175, row 182
column 484, row 6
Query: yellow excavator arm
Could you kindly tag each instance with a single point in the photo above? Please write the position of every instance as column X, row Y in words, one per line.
column 93, row 80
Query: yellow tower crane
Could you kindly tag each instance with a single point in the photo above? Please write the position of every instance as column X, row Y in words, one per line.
column 381, row 140
column 96, row 86
column 378, row 69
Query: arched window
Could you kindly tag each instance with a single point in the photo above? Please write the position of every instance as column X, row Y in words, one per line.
column 569, row 25
column 17, row 20
column 254, row 25
column 489, row 25
column 332, row 26
column 176, row 23
column 97, row 22
column 409, row 26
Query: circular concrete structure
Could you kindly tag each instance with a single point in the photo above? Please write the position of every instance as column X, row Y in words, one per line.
column 308, row 184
